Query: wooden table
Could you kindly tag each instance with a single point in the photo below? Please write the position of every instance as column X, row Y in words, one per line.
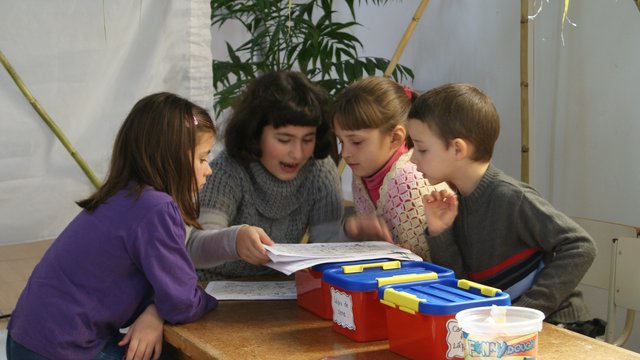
column 282, row 330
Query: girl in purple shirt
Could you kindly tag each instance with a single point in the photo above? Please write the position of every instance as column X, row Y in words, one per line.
column 121, row 262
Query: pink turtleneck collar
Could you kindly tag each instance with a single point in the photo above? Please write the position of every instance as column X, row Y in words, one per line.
column 374, row 182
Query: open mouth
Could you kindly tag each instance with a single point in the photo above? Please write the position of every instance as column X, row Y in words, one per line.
column 289, row 167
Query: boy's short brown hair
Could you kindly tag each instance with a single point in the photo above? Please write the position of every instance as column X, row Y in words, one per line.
column 460, row 111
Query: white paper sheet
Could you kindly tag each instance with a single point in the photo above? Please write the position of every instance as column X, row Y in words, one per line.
column 289, row 258
column 252, row 290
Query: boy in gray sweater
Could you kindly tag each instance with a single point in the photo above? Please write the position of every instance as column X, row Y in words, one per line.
column 494, row 230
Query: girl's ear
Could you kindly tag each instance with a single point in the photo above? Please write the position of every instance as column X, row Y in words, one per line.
column 462, row 148
column 398, row 136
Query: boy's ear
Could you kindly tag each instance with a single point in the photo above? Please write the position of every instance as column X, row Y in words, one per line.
column 398, row 136
column 462, row 148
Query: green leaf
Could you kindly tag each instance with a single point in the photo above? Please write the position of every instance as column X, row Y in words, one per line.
column 320, row 46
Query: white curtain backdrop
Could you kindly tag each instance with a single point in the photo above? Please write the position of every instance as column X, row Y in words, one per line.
column 585, row 108
column 87, row 63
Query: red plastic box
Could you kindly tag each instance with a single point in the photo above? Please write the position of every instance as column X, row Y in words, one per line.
column 421, row 320
column 356, row 311
column 313, row 294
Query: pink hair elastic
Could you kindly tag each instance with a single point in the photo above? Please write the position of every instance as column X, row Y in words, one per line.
column 407, row 91
column 187, row 123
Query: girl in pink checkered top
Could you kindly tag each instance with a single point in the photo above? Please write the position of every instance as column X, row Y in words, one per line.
column 369, row 119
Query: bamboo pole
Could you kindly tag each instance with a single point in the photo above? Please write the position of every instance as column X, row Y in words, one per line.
column 47, row 119
column 524, row 90
column 405, row 38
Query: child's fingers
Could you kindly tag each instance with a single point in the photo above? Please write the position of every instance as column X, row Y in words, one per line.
column 141, row 352
column 147, row 354
column 157, row 351
column 433, row 197
column 367, row 227
column 264, row 239
column 384, row 230
column 438, row 196
column 351, row 227
column 375, row 228
column 257, row 252
column 131, row 350
column 125, row 339
column 250, row 245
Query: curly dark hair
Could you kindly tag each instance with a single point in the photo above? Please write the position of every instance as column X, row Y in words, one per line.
column 278, row 98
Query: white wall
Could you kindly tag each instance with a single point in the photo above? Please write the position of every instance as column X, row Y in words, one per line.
column 87, row 63
column 586, row 108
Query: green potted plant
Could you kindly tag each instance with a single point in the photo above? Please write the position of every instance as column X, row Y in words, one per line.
column 288, row 35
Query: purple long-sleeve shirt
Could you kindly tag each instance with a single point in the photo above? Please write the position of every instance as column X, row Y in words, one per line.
column 102, row 271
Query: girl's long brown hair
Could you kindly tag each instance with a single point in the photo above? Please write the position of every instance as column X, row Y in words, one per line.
column 155, row 147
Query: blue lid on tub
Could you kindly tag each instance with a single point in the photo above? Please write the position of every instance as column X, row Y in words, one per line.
column 331, row 265
column 370, row 276
column 442, row 296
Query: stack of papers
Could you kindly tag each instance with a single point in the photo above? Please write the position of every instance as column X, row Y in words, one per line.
column 289, row 258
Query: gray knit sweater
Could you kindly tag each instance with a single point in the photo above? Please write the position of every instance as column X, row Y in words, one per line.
column 503, row 218
column 236, row 195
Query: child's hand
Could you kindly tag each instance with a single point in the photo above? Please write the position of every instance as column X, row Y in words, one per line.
column 440, row 209
column 144, row 336
column 367, row 227
column 249, row 242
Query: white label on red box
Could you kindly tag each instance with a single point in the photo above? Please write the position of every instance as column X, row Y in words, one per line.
column 455, row 342
column 342, row 309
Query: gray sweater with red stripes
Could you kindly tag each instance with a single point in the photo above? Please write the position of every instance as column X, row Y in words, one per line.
column 503, row 229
